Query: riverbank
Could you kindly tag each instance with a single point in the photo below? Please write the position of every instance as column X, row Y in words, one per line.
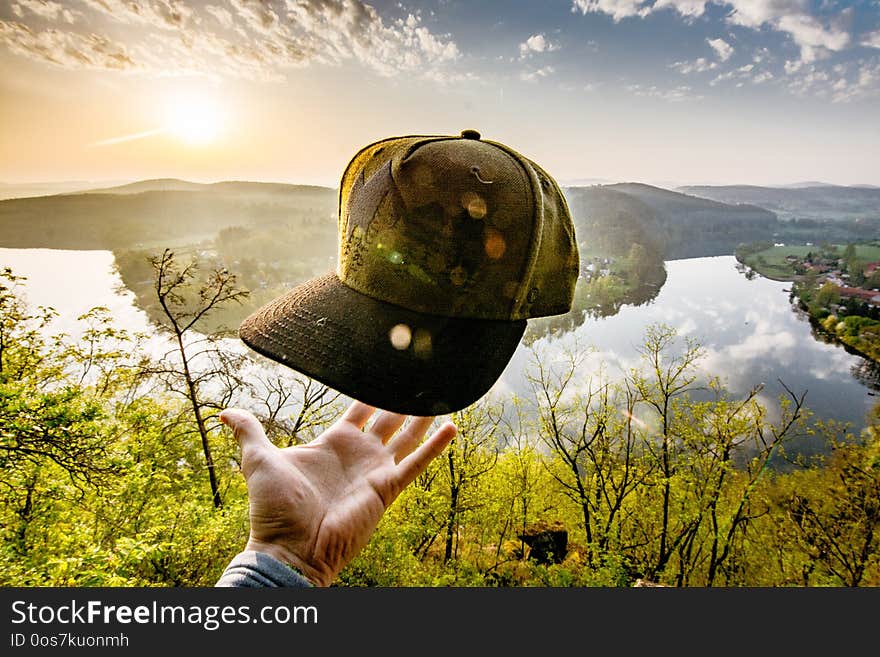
column 830, row 286
column 832, row 337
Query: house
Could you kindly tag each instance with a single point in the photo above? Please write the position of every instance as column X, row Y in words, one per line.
column 868, row 296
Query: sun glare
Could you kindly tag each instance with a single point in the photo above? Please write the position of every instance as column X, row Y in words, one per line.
column 194, row 120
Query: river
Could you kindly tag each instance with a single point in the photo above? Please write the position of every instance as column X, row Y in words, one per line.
column 749, row 330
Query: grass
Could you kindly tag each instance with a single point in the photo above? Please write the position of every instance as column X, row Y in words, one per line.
column 773, row 264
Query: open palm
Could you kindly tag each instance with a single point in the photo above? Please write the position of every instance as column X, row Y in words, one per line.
column 314, row 506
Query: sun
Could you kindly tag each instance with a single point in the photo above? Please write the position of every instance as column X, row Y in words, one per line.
column 195, row 120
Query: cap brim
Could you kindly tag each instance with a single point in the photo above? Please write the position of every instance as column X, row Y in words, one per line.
column 379, row 353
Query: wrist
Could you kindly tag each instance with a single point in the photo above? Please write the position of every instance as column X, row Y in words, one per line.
column 287, row 557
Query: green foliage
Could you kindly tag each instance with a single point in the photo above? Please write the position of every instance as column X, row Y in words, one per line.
column 98, row 482
column 855, row 324
column 827, row 295
column 102, row 478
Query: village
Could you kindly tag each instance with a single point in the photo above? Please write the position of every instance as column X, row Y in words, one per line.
column 837, row 286
column 851, row 277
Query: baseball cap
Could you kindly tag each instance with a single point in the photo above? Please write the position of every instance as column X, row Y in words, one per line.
column 448, row 244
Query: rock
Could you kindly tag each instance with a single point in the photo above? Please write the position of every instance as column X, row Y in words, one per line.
column 548, row 542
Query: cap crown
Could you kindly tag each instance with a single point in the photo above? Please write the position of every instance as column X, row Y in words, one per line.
column 456, row 226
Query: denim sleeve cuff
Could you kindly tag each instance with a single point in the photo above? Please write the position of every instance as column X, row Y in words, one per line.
column 257, row 569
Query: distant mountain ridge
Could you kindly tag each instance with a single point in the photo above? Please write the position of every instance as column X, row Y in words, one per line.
column 686, row 222
column 32, row 189
column 151, row 185
column 667, row 222
column 819, row 202
column 158, row 211
column 178, row 185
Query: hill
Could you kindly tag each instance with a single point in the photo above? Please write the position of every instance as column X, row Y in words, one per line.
column 165, row 211
column 817, row 202
column 28, row 190
column 673, row 224
column 152, row 185
column 168, row 211
column 227, row 186
column 609, row 218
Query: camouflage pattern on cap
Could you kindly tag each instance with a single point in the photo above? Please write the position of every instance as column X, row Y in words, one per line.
column 447, row 245
column 456, row 226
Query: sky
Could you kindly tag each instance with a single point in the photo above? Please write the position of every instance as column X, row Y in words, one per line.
column 665, row 92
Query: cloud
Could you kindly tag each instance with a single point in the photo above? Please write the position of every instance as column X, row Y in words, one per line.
column 723, row 49
column 791, row 17
column 537, row 43
column 699, row 65
column 841, row 83
column 620, row 9
column 814, row 39
column 45, row 9
column 166, row 14
column 222, row 15
column 741, row 73
column 537, row 74
column 617, row 9
column 240, row 38
column 674, row 95
column 865, row 82
column 761, row 344
column 792, row 66
column 761, row 55
column 65, row 49
column 687, row 8
column 258, row 16
column 871, row 40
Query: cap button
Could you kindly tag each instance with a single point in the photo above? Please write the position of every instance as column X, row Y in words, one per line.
column 470, row 134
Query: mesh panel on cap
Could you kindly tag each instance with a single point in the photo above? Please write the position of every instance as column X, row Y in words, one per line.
column 456, row 227
column 450, row 233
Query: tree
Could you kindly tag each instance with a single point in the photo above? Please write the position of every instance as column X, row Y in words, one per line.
column 524, row 493
column 667, row 377
column 827, row 295
column 729, row 449
column 595, row 441
column 315, row 404
column 56, row 437
column 836, row 519
column 186, row 299
column 47, row 410
column 471, row 455
column 638, row 264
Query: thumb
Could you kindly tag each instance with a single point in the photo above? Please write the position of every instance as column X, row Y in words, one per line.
column 247, row 431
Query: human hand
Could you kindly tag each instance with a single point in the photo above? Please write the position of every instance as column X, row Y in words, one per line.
column 315, row 506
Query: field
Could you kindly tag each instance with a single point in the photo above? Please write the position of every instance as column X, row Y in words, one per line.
column 771, row 263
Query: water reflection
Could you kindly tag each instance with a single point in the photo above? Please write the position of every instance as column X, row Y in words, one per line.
column 73, row 282
column 751, row 334
column 867, row 373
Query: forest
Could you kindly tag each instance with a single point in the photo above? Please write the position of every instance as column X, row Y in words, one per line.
column 115, row 470
column 274, row 236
